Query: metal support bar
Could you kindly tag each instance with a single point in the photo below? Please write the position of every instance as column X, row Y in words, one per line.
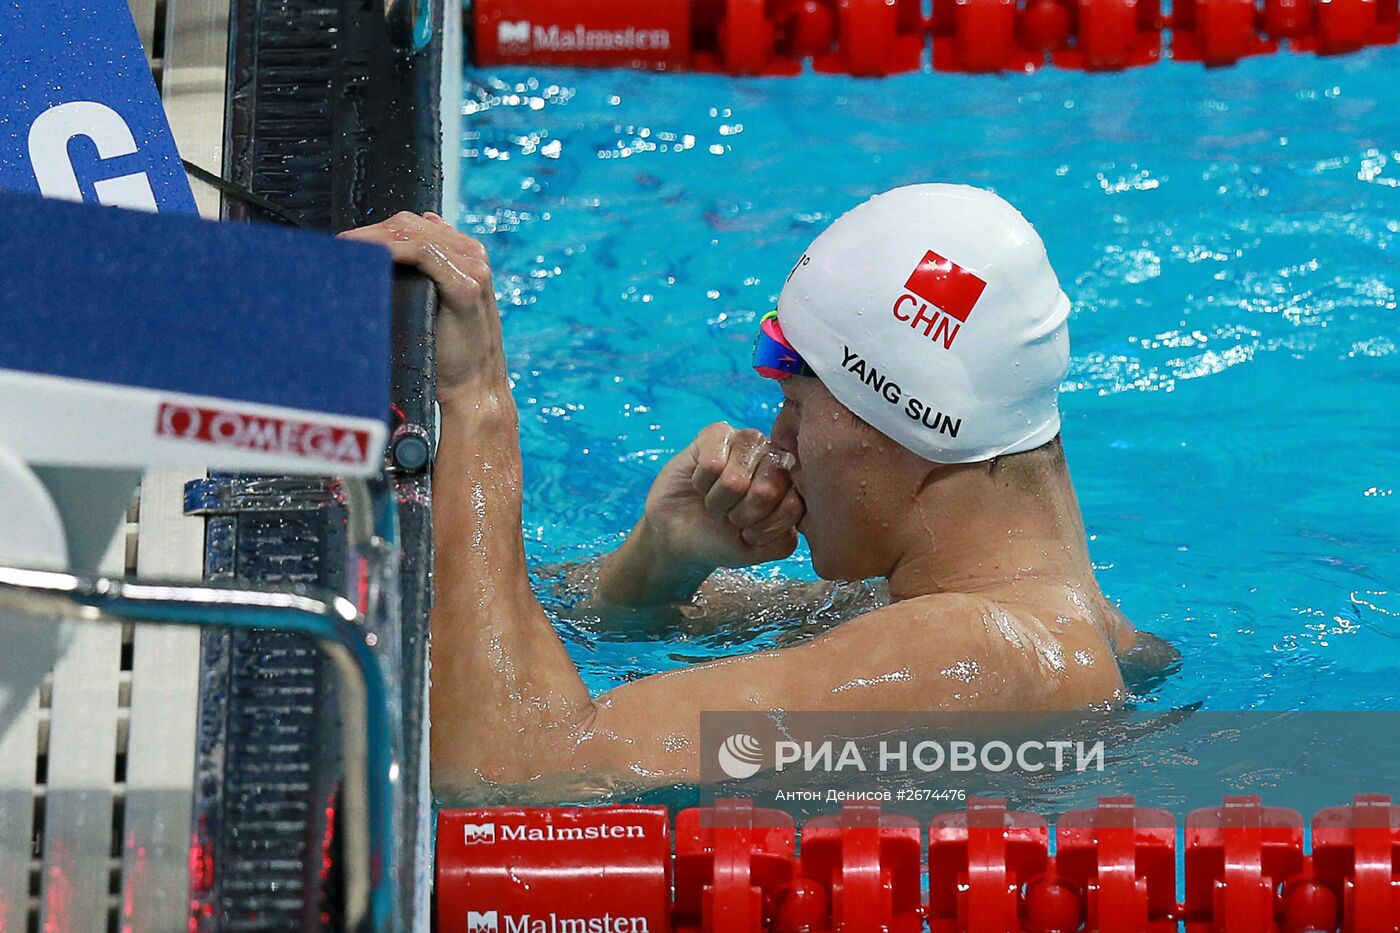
column 366, row 738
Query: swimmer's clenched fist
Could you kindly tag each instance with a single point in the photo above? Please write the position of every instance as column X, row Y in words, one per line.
column 727, row 500
column 469, row 325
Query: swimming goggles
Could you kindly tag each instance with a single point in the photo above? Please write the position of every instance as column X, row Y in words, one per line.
column 773, row 356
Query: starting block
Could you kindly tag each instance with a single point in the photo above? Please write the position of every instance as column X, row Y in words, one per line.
column 138, row 341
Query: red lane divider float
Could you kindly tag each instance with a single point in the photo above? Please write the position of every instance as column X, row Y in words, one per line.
column 883, row 37
column 586, row 869
column 738, row 869
column 1237, row 857
column 979, row 862
column 1122, row 860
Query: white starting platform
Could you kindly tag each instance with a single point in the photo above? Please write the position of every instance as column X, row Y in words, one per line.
column 139, row 341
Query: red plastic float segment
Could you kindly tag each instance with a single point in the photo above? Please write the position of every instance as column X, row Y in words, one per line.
column 1337, row 27
column 1111, row 35
column 605, row 868
column 732, row 864
column 742, row 37
column 1288, row 19
column 806, row 28
column 1356, row 854
column 875, row 38
column 869, row 862
column 978, row 859
column 1219, row 32
column 982, row 36
column 1344, row 26
column 747, row 40
column 990, row 36
column 1123, row 857
column 1045, row 26
column 1238, row 856
column 1387, row 31
column 728, row 38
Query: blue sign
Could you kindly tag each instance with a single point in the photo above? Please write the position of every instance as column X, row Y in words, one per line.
column 80, row 116
column 177, row 304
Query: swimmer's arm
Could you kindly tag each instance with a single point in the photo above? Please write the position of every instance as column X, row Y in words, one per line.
column 725, row 500
column 503, row 687
column 949, row 655
column 647, row 732
column 642, row 572
column 726, row 597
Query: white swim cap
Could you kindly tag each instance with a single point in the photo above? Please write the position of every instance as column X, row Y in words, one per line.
column 932, row 313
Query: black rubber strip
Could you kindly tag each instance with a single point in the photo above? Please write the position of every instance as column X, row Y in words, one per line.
column 239, row 193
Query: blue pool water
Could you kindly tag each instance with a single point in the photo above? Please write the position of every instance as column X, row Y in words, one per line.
column 1228, row 239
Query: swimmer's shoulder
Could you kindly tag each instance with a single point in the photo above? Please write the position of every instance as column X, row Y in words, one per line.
column 1020, row 659
column 934, row 624
column 970, row 625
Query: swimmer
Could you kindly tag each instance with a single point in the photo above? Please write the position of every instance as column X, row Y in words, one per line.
column 919, row 345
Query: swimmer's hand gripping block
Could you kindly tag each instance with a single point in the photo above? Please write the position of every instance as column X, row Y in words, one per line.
column 137, row 340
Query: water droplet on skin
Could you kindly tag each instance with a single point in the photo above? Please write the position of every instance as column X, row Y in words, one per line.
column 1051, row 656
column 965, row 671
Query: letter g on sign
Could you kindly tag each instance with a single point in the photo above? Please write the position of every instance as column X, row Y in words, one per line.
column 48, row 154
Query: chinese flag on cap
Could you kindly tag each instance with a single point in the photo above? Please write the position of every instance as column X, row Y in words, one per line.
column 946, row 285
